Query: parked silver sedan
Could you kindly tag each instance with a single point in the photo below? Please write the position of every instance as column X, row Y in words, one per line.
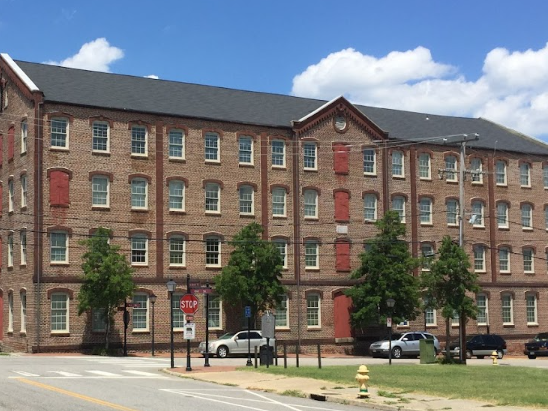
column 403, row 344
column 235, row 344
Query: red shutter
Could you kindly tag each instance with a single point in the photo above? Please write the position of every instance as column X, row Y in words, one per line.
column 342, row 213
column 11, row 142
column 340, row 159
column 59, row 189
column 342, row 249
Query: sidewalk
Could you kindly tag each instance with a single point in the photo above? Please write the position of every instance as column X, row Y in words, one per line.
column 328, row 391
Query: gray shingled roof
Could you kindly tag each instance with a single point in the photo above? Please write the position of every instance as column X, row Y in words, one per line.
column 96, row 89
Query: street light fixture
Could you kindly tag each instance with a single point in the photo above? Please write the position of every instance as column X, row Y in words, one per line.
column 390, row 304
column 171, row 285
column 152, row 299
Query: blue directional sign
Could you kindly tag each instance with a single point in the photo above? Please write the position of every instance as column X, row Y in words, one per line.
column 247, row 311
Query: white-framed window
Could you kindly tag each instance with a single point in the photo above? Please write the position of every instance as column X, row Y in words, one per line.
column 215, row 312
column 311, row 254
column 398, row 204
column 212, row 147
column 98, row 320
column 59, row 132
column 504, row 259
column 177, row 195
column 500, row 173
column 101, row 136
column 526, row 217
column 176, row 144
column 58, row 247
column 482, row 304
column 10, row 250
column 397, row 164
column 525, row 175
column 245, row 153
column 139, row 194
column 59, row 313
column 369, row 161
column 139, row 319
column 428, row 254
column 528, row 260
column 281, row 245
column 545, row 175
column 24, row 136
column 425, row 172
column 455, row 319
column 246, row 197
column 23, row 244
column 23, row 298
column 425, row 206
column 100, row 191
column 139, row 140
column 429, row 315
column 476, row 169
column 479, row 258
column 370, row 207
column 502, row 215
column 278, row 201
column 507, row 303
column 477, row 213
column 531, row 309
column 310, row 154
column 177, row 247
column 452, row 206
column 24, row 190
column 10, row 312
column 213, row 251
column 310, row 204
column 178, row 315
column 11, row 195
column 451, row 168
column 278, row 153
column 546, row 217
column 282, row 313
column 139, row 250
column 212, row 198
column 313, row 310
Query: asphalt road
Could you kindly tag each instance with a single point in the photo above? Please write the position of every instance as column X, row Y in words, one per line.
column 91, row 383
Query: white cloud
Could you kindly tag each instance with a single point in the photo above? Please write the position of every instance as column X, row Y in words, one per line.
column 512, row 90
column 97, row 55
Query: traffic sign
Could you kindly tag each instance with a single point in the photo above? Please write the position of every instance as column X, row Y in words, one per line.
column 202, row 290
column 133, row 305
column 247, row 311
column 188, row 303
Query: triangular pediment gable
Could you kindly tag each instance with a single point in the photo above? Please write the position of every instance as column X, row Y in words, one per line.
column 338, row 107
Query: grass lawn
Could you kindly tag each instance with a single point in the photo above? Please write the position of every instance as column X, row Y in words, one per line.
column 503, row 385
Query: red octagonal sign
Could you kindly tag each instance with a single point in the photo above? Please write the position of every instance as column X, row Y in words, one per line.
column 188, row 304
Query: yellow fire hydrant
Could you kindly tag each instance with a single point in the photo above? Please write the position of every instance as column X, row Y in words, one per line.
column 362, row 379
column 494, row 356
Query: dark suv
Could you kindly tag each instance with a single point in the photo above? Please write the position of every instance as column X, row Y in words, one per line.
column 481, row 345
column 537, row 346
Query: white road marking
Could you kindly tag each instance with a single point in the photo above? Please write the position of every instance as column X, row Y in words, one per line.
column 66, row 374
column 26, row 374
column 104, row 373
column 141, row 373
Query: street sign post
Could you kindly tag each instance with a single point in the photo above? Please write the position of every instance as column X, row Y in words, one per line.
column 189, row 304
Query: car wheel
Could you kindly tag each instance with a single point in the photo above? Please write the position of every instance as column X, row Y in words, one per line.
column 396, row 352
column 531, row 356
column 469, row 354
column 500, row 354
column 222, row 351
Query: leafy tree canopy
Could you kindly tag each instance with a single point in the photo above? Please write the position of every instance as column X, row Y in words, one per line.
column 386, row 272
column 253, row 274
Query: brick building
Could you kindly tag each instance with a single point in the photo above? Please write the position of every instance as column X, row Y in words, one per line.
column 177, row 169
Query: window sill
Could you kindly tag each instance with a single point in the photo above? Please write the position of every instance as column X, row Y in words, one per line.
column 314, row 328
column 101, row 153
column 312, row 170
column 59, row 264
column 529, row 273
column 312, row 268
column 504, row 228
column 526, row 187
column 246, row 165
column 283, row 329
column 143, row 265
column 140, row 331
column 425, row 178
column 370, row 174
column 453, row 225
column 177, row 160
column 527, row 228
column 480, row 271
column 177, row 212
column 99, row 208
column 139, row 156
column 478, row 227
column 280, row 217
column 369, row 221
column 60, row 149
column 59, row 334
column 139, row 210
column 23, row 265
column 279, row 168
column 213, row 162
column 213, row 267
column 427, row 225
column 247, row 215
column 477, row 183
column 505, row 273
column 317, row 219
column 532, row 324
column 508, row 325
column 452, row 181
column 213, row 213
column 398, row 177
column 22, row 333
column 24, row 208
column 24, row 153
column 501, row 185
column 177, row 267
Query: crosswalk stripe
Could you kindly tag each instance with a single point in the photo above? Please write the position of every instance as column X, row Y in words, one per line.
column 66, row 374
column 26, row 374
column 142, row 373
column 104, row 373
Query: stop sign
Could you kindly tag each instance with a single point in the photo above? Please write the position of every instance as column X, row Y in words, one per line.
column 188, row 304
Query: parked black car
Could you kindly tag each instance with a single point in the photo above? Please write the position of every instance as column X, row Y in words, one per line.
column 537, row 347
column 481, row 345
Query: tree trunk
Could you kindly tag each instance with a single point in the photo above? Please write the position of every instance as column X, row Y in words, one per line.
column 447, row 339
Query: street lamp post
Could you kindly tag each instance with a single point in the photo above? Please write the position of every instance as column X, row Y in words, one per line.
column 152, row 299
column 390, row 304
column 171, row 285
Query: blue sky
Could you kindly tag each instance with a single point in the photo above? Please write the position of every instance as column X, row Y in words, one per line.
column 480, row 58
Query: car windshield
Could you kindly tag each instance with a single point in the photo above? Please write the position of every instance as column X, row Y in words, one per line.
column 541, row 337
column 226, row 336
column 395, row 336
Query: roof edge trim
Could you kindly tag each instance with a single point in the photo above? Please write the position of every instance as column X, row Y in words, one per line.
column 20, row 73
column 320, row 109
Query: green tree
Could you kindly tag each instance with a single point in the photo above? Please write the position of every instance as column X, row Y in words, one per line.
column 449, row 283
column 107, row 279
column 253, row 274
column 386, row 271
